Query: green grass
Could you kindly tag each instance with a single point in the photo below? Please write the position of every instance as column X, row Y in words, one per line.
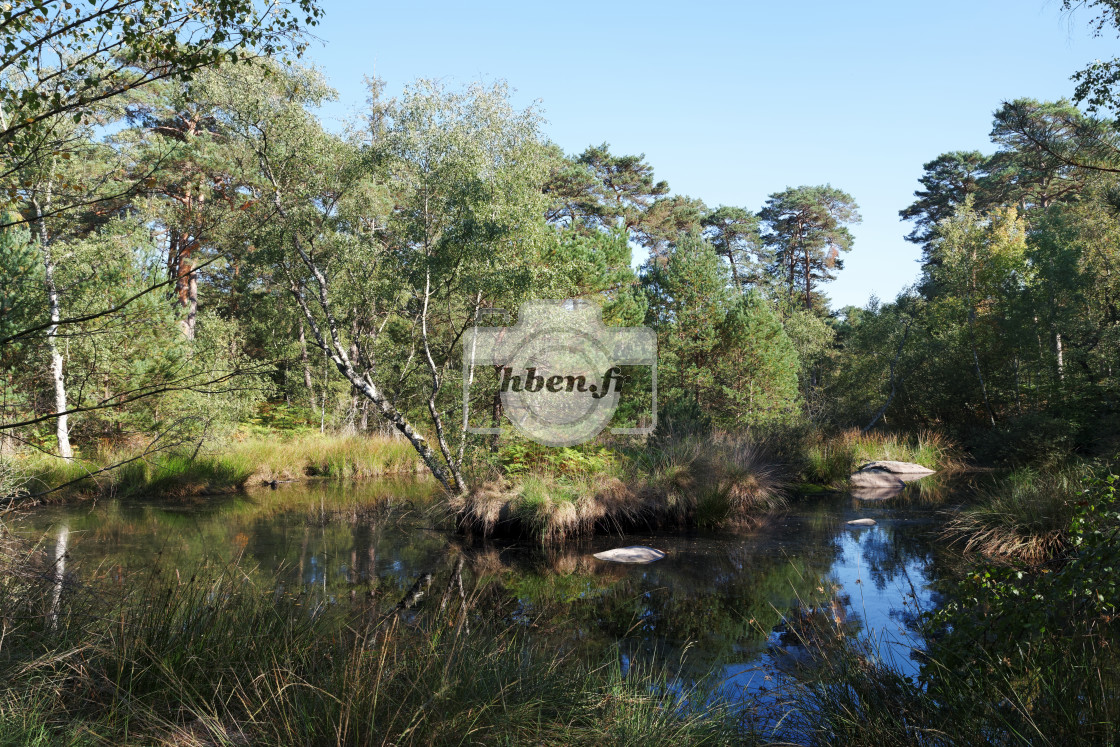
column 711, row 481
column 857, row 697
column 1026, row 515
column 216, row 468
column 219, row 659
column 719, row 480
column 829, row 459
column 1014, row 654
column 340, row 457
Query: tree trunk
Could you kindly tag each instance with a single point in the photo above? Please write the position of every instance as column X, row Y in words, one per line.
column 808, row 282
column 451, row 464
column 330, row 342
column 180, row 266
column 496, row 412
column 191, row 303
column 792, row 277
column 62, row 430
column 60, row 548
column 336, row 353
column 305, row 362
column 326, row 398
column 972, row 338
column 1061, row 358
column 894, row 383
column 734, row 269
column 976, row 363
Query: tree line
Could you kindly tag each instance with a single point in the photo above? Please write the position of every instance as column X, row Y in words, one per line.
column 184, row 246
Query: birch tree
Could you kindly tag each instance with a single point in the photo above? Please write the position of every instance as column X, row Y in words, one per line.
column 398, row 235
column 41, row 207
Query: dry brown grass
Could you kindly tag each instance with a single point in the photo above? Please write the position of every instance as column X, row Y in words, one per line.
column 1025, row 516
column 714, row 481
column 549, row 508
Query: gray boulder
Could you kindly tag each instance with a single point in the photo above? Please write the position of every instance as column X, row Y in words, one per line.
column 902, row 469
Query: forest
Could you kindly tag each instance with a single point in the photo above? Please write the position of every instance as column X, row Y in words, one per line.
column 208, row 292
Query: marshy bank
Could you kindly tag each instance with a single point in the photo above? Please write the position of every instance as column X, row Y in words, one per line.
column 554, row 495
column 722, row 479
column 221, row 658
column 717, row 480
column 1025, row 514
column 272, row 617
column 276, row 616
column 208, row 469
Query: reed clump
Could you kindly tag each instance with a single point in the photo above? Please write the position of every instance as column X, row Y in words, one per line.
column 710, row 481
column 1025, row 515
column 858, row 695
column 829, row 459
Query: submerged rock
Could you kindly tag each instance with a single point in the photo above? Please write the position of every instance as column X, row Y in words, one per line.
column 861, row 523
column 633, row 554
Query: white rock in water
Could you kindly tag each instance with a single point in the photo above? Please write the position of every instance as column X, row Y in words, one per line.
column 897, row 468
column 861, row 523
column 634, row 554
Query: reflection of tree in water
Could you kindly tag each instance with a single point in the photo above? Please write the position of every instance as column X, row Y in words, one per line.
column 906, row 556
column 335, row 538
column 722, row 594
column 731, row 596
column 893, row 555
column 800, row 643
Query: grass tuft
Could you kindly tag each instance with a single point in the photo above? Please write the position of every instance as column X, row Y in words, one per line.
column 830, row 459
column 1025, row 516
column 713, row 481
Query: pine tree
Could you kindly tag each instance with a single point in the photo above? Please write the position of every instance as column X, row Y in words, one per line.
column 807, row 230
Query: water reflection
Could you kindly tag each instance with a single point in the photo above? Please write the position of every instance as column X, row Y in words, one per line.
column 741, row 603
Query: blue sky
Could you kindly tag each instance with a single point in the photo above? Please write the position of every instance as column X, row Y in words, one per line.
column 731, row 102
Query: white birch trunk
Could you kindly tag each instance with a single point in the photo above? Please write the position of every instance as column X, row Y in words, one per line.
column 62, row 430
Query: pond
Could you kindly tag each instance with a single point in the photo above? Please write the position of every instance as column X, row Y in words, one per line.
column 737, row 603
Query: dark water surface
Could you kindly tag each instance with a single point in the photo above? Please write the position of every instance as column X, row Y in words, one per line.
column 739, row 603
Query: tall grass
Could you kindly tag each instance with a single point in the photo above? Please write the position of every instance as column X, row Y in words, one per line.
column 1025, row 515
column 217, row 659
column 857, row 697
column 692, row 481
column 345, row 457
column 829, row 459
column 1014, row 655
column 219, row 468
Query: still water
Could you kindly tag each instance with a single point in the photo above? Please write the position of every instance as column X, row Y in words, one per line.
column 735, row 603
